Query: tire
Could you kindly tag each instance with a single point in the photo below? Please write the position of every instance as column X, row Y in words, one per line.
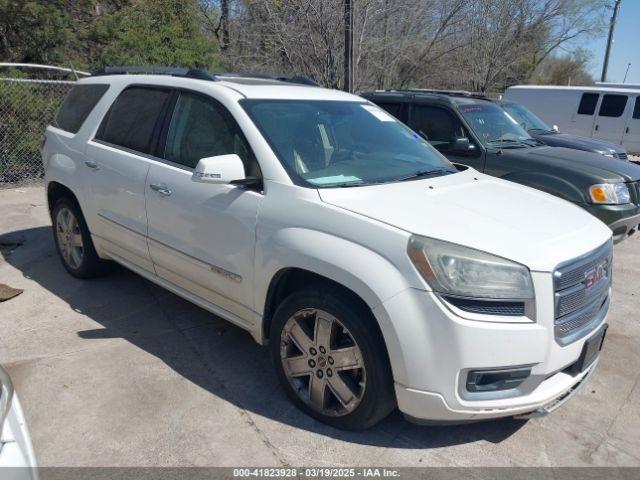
column 73, row 241
column 359, row 361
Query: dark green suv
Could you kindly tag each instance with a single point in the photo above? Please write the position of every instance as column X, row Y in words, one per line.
column 474, row 131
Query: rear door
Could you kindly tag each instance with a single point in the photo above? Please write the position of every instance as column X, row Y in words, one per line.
column 631, row 137
column 584, row 114
column 119, row 159
column 202, row 236
column 610, row 122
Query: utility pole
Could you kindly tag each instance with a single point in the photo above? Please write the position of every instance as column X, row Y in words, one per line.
column 625, row 73
column 612, row 26
column 348, row 45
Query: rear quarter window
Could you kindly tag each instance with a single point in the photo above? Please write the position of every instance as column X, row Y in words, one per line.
column 77, row 106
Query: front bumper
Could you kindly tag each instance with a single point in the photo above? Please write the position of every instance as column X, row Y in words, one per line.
column 17, row 458
column 623, row 220
column 436, row 348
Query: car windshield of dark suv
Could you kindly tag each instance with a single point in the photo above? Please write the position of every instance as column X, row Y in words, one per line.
column 494, row 126
column 526, row 118
column 335, row 143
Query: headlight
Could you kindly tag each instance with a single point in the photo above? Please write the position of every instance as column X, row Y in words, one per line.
column 609, row 193
column 6, row 394
column 456, row 270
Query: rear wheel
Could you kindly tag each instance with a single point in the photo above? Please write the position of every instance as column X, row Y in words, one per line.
column 330, row 360
column 73, row 241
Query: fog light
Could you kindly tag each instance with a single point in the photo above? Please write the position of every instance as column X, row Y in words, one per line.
column 494, row 380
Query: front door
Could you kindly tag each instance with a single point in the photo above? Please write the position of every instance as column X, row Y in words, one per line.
column 631, row 137
column 440, row 127
column 118, row 159
column 610, row 122
column 202, row 236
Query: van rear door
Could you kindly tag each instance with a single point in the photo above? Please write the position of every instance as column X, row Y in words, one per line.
column 631, row 137
column 610, row 121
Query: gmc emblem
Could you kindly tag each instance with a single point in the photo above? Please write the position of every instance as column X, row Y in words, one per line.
column 593, row 276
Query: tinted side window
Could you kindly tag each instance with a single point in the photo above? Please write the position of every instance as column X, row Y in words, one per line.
column 636, row 108
column 392, row 108
column 77, row 106
column 612, row 105
column 588, row 103
column 439, row 126
column 133, row 117
column 200, row 128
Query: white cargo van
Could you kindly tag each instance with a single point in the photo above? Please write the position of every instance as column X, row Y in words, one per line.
column 611, row 114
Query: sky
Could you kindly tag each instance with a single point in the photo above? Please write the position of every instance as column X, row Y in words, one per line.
column 625, row 48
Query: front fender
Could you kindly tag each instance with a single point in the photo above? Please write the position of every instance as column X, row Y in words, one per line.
column 365, row 272
column 549, row 183
column 368, row 274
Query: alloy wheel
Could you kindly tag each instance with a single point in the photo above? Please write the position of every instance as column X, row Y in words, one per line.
column 69, row 238
column 322, row 362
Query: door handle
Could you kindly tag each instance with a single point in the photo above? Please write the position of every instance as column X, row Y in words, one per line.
column 596, row 128
column 161, row 188
column 92, row 165
column 626, row 130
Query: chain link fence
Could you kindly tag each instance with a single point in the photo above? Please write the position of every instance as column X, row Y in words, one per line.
column 26, row 108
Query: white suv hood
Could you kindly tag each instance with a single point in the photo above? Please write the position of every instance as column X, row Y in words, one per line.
column 472, row 209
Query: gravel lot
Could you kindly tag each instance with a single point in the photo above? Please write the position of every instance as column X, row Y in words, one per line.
column 117, row 371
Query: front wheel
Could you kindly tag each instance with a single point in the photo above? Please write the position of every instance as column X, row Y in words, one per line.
column 331, row 359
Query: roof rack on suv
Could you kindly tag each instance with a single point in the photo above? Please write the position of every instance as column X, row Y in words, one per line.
column 453, row 93
column 174, row 71
column 200, row 74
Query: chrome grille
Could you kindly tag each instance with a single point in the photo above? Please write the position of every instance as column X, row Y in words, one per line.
column 582, row 294
column 620, row 155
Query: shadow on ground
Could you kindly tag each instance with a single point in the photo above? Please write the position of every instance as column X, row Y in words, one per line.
column 206, row 350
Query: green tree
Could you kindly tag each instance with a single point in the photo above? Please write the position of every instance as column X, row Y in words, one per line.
column 36, row 32
column 155, row 32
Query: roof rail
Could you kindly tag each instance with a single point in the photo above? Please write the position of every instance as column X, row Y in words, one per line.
column 199, row 74
column 299, row 79
column 453, row 93
column 173, row 71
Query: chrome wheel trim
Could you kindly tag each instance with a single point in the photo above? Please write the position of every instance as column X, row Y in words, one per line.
column 322, row 362
column 69, row 238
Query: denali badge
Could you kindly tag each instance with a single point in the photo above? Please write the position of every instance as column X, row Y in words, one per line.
column 597, row 273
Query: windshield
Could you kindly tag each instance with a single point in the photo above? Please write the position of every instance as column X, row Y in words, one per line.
column 525, row 118
column 493, row 125
column 333, row 143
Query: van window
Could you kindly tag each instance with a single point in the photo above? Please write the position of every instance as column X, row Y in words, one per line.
column 78, row 105
column 201, row 128
column 612, row 105
column 588, row 103
column 133, row 117
column 636, row 108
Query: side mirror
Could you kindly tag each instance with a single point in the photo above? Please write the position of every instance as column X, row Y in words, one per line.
column 555, row 128
column 462, row 145
column 221, row 169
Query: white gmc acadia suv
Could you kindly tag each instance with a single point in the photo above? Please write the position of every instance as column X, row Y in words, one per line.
column 379, row 273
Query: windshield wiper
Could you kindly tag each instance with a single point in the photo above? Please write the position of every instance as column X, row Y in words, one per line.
column 423, row 173
column 508, row 142
column 541, row 130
